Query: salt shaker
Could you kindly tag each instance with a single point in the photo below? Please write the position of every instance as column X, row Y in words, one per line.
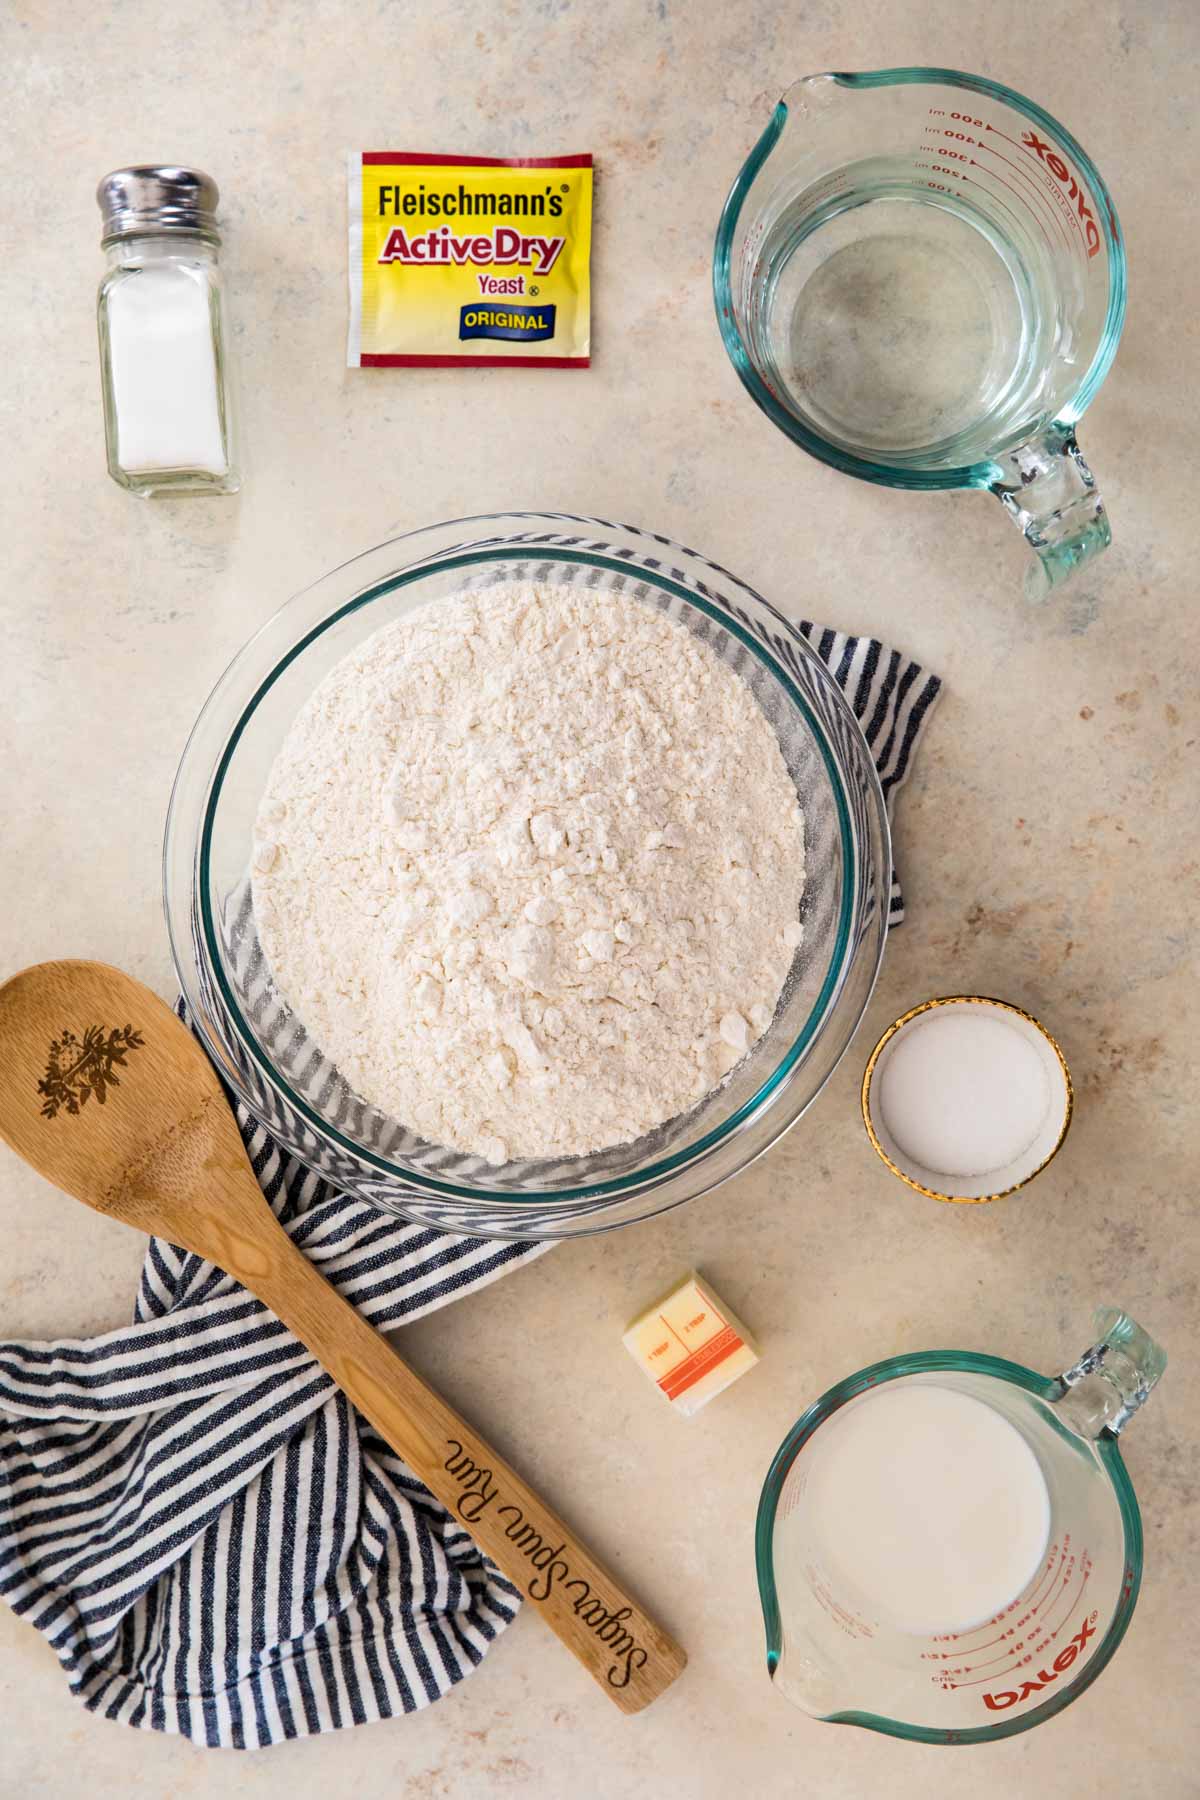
column 162, row 343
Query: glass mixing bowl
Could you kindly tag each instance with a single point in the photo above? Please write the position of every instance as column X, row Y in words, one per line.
column 261, row 1049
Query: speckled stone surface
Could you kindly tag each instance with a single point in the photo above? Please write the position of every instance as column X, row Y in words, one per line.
column 1047, row 839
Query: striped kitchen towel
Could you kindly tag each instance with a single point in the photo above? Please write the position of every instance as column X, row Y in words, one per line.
column 893, row 699
column 210, row 1537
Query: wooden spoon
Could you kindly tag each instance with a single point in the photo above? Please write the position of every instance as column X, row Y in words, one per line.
column 107, row 1094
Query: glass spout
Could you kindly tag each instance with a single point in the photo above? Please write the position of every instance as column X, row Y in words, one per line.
column 807, row 1681
column 1103, row 1390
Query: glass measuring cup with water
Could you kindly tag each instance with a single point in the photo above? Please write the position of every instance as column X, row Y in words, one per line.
column 920, row 277
column 889, row 1628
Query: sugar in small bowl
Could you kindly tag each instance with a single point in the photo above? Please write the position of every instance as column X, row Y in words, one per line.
column 967, row 1098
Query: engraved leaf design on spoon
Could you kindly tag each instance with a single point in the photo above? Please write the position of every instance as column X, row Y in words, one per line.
column 77, row 1068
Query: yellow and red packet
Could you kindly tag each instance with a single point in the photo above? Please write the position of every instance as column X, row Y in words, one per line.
column 475, row 261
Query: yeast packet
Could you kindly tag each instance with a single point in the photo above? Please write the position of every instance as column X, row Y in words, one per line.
column 471, row 260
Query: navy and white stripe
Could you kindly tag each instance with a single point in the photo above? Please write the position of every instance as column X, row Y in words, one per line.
column 892, row 697
column 211, row 1538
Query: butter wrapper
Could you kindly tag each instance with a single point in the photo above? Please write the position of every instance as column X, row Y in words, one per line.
column 471, row 260
column 690, row 1345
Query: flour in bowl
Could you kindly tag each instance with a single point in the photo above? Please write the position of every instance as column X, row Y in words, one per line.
column 528, row 868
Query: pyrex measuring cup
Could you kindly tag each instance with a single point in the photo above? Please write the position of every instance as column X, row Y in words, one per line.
column 831, row 1652
column 920, row 277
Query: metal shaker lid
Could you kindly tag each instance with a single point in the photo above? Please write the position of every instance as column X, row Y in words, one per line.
column 157, row 198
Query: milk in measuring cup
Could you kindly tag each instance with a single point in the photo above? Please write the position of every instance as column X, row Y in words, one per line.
column 928, row 1509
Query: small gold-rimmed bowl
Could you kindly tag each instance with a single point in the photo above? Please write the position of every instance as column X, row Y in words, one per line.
column 908, row 1152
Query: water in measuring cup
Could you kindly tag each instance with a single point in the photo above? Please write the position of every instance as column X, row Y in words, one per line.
column 903, row 322
column 924, row 1508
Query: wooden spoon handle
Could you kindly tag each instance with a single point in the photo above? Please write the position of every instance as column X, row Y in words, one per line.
column 621, row 1647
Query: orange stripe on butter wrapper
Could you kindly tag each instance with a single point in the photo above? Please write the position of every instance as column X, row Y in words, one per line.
column 690, row 1345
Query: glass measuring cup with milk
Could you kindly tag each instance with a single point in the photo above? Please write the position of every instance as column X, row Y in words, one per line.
column 948, row 1545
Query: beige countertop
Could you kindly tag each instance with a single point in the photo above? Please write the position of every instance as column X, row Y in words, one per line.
column 1047, row 838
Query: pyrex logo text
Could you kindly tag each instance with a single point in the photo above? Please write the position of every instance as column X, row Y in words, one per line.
column 1061, row 172
column 1062, row 1662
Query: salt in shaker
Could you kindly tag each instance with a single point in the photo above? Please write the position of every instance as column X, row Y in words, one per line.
column 162, row 343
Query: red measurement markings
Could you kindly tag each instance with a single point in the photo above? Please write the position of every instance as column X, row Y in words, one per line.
column 1034, row 1654
column 957, row 137
column 1034, row 1684
column 1042, row 1590
column 992, row 176
column 1035, row 1646
column 960, row 1637
column 949, row 1655
column 1038, row 1643
column 825, row 189
column 1064, row 206
column 1046, row 1594
column 997, row 201
column 1060, row 199
column 1006, row 137
column 1050, row 1570
column 1036, row 186
column 845, row 1620
column 1022, row 1663
column 794, row 1490
column 1077, row 193
column 1086, row 1569
column 1012, row 1649
column 971, row 1668
column 1057, row 1573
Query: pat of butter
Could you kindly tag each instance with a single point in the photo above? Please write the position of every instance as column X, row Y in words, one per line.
column 690, row 1345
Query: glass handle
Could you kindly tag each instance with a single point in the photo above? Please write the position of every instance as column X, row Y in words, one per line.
column 1103, row 1390
column 1051, row 493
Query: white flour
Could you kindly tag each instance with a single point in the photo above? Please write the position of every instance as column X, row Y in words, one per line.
column 528, row 868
